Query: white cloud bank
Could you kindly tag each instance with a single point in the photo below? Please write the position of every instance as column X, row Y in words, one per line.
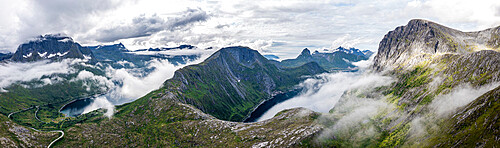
column 257, row 24
column 324, row 91
column 12, row 72
column 444, row 105
column 132, row 84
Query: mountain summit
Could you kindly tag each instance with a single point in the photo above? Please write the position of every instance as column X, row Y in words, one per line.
column 50, row 46
column 420, row 39
column 233, row 81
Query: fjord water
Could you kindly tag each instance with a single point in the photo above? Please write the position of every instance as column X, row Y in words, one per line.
column 76, row 107
column 266, row 105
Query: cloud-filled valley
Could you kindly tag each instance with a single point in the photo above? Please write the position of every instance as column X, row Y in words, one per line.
column 122, row 85
column 321, row 93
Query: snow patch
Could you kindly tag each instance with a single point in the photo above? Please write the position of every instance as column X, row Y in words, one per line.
column 57, row 54
column 346, row 60
column 42, row 54
column 86, row 57
column 28, row 55
column 66, row 40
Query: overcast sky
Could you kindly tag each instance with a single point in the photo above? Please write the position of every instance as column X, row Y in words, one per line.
column 272, row 27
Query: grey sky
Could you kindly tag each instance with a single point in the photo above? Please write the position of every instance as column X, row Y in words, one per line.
column 276, row 27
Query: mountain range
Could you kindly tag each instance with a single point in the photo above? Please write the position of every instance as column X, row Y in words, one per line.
column 331, row 60
column 110, row 54
column 445, row 94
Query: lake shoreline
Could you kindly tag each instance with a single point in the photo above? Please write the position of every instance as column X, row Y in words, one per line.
column 264, row 106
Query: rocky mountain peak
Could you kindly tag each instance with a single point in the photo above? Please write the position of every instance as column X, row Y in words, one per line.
column 50, row 46
column 114, row 47
column 241, row 54
column 306, row 53
column 420, row 39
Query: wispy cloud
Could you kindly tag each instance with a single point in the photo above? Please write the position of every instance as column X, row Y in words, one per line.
column 143, row 25
column 447, row 104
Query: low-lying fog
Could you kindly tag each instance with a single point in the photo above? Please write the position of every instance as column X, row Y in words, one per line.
column 322, row 92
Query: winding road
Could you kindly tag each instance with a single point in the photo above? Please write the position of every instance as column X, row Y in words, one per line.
column 62, row 135
column 58, row 131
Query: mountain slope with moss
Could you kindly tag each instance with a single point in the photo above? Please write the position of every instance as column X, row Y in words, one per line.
column 159, row 120
column 233, row 81
column 440, row 74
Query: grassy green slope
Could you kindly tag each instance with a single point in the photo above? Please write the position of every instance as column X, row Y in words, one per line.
column 14, row 135
column 156, row 120
column 23, row 95
column 233, row 81
column 476, row 125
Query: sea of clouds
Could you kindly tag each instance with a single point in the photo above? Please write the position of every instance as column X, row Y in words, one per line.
column 123, row 85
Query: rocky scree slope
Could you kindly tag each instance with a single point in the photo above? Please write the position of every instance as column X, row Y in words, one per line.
column 430, row 61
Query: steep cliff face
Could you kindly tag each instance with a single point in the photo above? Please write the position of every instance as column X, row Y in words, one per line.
column 233, row 81
column 419, row 40
column 51, row 46
column 440, row 93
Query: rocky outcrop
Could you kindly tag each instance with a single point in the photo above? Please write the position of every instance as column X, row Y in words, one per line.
column 421, row 39
column 4, row 56
column 52, row 47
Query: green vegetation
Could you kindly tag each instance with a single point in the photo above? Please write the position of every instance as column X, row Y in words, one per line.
column 415, row 78
column 14, row 135
column 24, row 95
column 396, row 137
column 24, row 99
column 156, row 121
column 233, row 81
column 476, row 125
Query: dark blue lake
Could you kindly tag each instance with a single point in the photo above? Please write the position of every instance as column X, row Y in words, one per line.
column 264, row 107
column 76, row 107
